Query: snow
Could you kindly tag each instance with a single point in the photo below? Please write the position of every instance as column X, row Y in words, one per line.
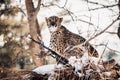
column 1, row 40
column 46, row 69
column 9, row 35
column 107, row 73
column 79, row 63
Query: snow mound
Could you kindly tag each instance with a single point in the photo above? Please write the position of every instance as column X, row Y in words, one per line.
column 46, row 69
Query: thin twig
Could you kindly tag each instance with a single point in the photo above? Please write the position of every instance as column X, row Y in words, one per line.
column 65, row 3
column 111, row 32
column 86, row 22
column 102, row 54
column 96, row 3
column 108, row 48
column 63, row 7
column 105, row 6
column 104, row 29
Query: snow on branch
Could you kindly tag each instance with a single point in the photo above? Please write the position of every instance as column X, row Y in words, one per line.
column 87, row 70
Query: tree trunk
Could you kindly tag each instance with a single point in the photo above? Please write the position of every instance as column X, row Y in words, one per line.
column 34, row 31
column 118, row 32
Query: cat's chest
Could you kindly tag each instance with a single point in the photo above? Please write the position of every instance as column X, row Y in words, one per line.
column 57, row 38
column 57, row 42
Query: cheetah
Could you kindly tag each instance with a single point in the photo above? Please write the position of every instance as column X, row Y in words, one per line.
column 62, row 40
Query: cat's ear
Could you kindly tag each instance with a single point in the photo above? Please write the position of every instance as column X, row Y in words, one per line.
column 46, row 19
column 60, row 20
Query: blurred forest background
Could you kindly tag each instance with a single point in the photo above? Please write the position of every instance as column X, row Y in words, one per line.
column 96, row 20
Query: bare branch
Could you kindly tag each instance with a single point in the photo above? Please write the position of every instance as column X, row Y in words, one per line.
column 118, row 31
column 63, row 7
column 102, row 54
column 65, row 3
column 111, row 32
column 104, row 29
column 69, row 12
column 38, row 8
column 119, row 6
column 105, row 6
column 96, row 3
column 86, row 22
column 108, row 48
column 113, row 50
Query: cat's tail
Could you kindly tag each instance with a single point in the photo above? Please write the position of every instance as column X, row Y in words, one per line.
column 91, row 50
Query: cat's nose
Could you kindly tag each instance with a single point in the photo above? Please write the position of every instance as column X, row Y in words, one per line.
column 53, row 23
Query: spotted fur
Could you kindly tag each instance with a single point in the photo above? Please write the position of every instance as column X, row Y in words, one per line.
column 62, row 39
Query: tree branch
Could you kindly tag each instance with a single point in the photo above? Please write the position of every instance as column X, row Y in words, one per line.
column 111, row 32
column 102, row 53
column 108, row 48
column 37, row 9
column 103, row 6
column 58, row 57
column 104, row 29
